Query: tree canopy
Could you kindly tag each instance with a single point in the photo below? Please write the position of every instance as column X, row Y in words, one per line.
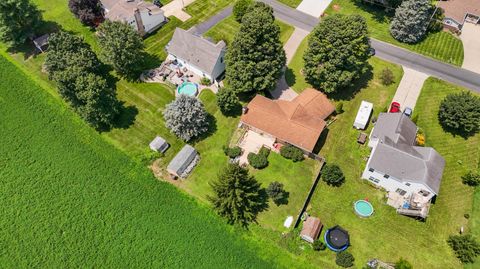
column 89, row 12
column 411, row 21
column 460, row 112
column 228, row 101
column 240, row 8
column 122, row 47
column 186, row 117
column 333, row 175
column 19, row 20
column 75, row 68
column 255, row 59
column 238, row 196
column 337, row 53
column 465, row 246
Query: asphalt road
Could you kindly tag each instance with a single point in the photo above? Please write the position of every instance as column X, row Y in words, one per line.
column 388, row 51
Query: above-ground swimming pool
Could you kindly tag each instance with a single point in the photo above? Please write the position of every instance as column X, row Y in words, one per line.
column 363, row 208
column 188, row 88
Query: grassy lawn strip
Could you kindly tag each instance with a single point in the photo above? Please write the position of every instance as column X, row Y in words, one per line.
column 228, row 27
column 291, row 3
column 442, row 46
column 293, row 74
column 69, row 199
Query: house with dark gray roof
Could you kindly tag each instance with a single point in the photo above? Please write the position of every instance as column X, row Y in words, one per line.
column 184, row 162
column 409, row 173
column 197, row 54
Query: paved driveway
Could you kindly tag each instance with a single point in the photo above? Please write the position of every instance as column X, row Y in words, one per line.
column 409, row 89
column 471, row 46
column 175, row 7
column 314, row 8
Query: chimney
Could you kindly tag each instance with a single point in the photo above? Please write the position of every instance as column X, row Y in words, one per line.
column 244, row 110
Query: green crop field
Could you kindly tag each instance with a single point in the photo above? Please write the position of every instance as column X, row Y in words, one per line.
column 70, row 200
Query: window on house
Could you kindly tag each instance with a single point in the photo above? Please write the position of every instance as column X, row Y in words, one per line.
column 386, row 176
column 400, row 191
column 408, row 184
column 371, row 169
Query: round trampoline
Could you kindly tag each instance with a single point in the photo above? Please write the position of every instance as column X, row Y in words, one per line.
column 337, row 239
column 363, row 208
column 188, row 88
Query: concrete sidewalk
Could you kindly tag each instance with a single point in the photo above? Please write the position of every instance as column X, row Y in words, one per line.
column 315, row 8
column 409, row 88
column 175, row 8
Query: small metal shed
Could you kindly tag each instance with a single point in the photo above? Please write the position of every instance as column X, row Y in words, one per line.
column 183, row 162
column 159, row 144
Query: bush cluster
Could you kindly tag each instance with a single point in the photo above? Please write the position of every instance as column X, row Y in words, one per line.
column 460, row 112
column 277, row 193
column 232, row 152
column 293, row 153
column 471, row 179
column 318, row 245
column 387, row 77
column 465, row 246
column 260, row 160
column 344, row 259
column 333, row 175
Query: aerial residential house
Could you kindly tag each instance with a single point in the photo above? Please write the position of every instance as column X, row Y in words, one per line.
column 311, row 229
column 298, row 122
column 410, row 174
column 457, row 12
column 197, row 54
column 144, row 17
column 184, row 162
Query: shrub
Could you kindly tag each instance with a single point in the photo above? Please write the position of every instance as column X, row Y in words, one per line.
column 277, row 193
column 333, row 175
column 403, row 264
column 257, row 161
column 205, row 81
column 339, row 108
column 344, row 259
column 465, row 246
column 460, row 112
column 387, row 76
column 232, row 152
column 264, row 151
column 227, row 101
column 471, row 179
column 420, row 139
column 291, row 152
column 87, row 11
column 318, row 245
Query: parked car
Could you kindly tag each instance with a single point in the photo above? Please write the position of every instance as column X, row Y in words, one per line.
column 395, row 107
column 408, row 111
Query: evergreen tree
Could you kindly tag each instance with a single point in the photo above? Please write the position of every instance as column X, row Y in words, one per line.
column 186, row 117
column 256, row 57
column 337, row 53
column 19, row 20
column 89, row 12
column 240, row 8
column 411, row 21
column 122, row 47
column 238, row 196
column 465, row 246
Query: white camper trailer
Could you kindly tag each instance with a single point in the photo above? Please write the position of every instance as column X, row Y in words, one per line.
column 363, row 115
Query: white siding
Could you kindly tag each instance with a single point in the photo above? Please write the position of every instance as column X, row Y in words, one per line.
column 151, row 22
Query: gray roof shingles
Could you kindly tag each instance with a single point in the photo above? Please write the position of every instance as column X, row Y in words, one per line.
column 182, row 159
column 397, row 156
column 195, row 49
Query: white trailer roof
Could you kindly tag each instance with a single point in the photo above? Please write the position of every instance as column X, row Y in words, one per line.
column 363, row 113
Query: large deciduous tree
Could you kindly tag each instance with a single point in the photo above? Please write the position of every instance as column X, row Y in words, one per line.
column 237, row 196
column 240, row 8
column 19, row 19
column 122, row 47
column 89, row 12
column 337, row 53
column 228, row 101
column 256, row 57
column 72, row 64
column 460, row 112
column 411, row 21
column 186, row 117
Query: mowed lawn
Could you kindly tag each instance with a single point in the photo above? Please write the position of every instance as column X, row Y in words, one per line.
column 228, row 27
column 386, row 235
column 442, row 46
column 291, row 3
column 71, row 200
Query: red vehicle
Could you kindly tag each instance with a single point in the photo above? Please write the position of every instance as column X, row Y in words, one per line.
column 395, row 107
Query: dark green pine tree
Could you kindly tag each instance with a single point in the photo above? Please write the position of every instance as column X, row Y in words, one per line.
column 238, row 196
column 256, row 57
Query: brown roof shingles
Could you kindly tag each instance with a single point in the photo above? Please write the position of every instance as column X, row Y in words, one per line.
column 457, row 9
column 298, row 122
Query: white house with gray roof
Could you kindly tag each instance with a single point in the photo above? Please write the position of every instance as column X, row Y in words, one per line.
column 197, row 54
column 410, row 173
column 144, row 17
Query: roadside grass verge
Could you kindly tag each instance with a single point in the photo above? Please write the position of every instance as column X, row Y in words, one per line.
column 442, row 46
column 291, row 3
column 228, row 27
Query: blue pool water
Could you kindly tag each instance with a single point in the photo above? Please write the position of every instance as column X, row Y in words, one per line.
column 363, row 208
column 187, row 88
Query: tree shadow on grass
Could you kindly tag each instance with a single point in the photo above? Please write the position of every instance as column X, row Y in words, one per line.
column 456, row 132
column 379, row 14
column 349, row 93
column 283, row 200
column 126, row 118
column 212, row 128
